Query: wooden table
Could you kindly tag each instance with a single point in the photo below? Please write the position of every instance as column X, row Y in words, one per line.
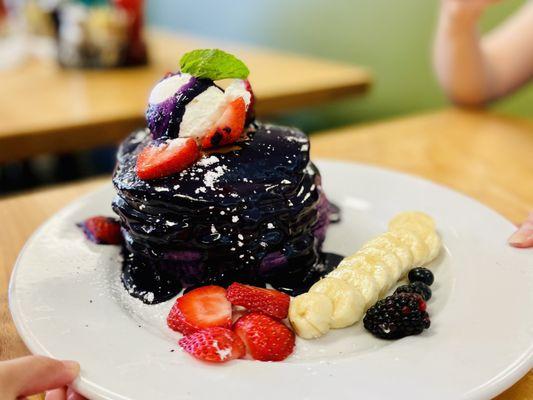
column 44, row 108
column 483, row 155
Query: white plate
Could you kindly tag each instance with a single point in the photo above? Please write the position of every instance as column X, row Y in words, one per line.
column 67, row 302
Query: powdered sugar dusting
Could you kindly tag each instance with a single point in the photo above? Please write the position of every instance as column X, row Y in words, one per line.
column 223, row 353
column 206, row 161
column 297, row 139
column 211, row 177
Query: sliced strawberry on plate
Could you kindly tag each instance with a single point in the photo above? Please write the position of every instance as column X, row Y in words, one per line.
column 167, row 158
column 268, row 301
column 266, row 338
column 214, row 345
column 229, row 127
column 102, row 230
column 203, row 307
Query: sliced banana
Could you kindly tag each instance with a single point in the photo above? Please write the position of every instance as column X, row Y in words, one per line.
column 416, row 244
column 361, row 280
column 411, row 217
column 348, row 302
column 387, row 258
column 341, row 298
column 434, row 244
column 390, row 243
column 378, row 270
column 423, row 225
column 310, row 314
column 420, row 229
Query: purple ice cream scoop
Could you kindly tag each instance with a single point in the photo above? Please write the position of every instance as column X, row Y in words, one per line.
column 167, row 102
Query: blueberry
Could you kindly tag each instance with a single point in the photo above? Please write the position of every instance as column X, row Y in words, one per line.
column 420, row 274
column 422, row 289
column 416, row 287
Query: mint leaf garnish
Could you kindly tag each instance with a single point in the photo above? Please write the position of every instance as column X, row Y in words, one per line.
column 213, row 64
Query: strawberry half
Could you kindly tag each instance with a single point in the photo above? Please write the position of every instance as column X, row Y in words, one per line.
column 268, row 301
column 266, row 338
column 214, row 345
column 102, row 230
column 167, row 158
column 204, row 307
column 250, row 113
column 229, row 126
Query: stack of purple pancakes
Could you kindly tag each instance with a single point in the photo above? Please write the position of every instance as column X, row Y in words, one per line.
column 252, row 213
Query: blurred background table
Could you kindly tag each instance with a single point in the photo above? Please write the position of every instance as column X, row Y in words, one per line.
column 487, row 156
column 480, row 154
column 47, row 109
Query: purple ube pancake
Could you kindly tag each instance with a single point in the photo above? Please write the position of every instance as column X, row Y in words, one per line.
column 255, row 214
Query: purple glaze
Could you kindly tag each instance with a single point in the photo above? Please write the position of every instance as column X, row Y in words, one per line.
column 255, row 215
column 185, row 256
column 164, row 119
column 323, row 220
column 143, row 281
column 325, row 264
column 271, row 263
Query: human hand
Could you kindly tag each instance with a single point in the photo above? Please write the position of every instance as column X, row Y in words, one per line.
column 64, row 393
column 466, row 10
column 30, row 375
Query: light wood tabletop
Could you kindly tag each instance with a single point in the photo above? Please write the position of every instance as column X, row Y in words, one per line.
column 44, row 108
column 483, row 155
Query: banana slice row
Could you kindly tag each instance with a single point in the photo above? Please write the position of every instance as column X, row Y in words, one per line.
column 342, row 297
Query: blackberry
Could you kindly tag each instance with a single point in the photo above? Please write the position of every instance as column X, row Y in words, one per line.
column 397, row 316
column 421, row 274
column 416, row 287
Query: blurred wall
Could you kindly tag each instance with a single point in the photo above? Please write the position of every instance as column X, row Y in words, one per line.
column 392, row 37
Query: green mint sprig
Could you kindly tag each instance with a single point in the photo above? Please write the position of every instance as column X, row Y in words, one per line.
column 213, row 64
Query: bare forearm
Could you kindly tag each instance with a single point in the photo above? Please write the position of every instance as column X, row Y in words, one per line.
column 459, row 60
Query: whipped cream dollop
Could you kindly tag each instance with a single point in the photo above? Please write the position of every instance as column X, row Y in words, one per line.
column 206, row 108
column 181, row 105
column 168, row 87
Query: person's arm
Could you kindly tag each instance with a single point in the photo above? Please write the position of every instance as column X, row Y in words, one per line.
column 473, row 70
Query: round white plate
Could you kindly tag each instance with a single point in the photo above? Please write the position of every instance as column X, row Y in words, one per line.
column 67, row 302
